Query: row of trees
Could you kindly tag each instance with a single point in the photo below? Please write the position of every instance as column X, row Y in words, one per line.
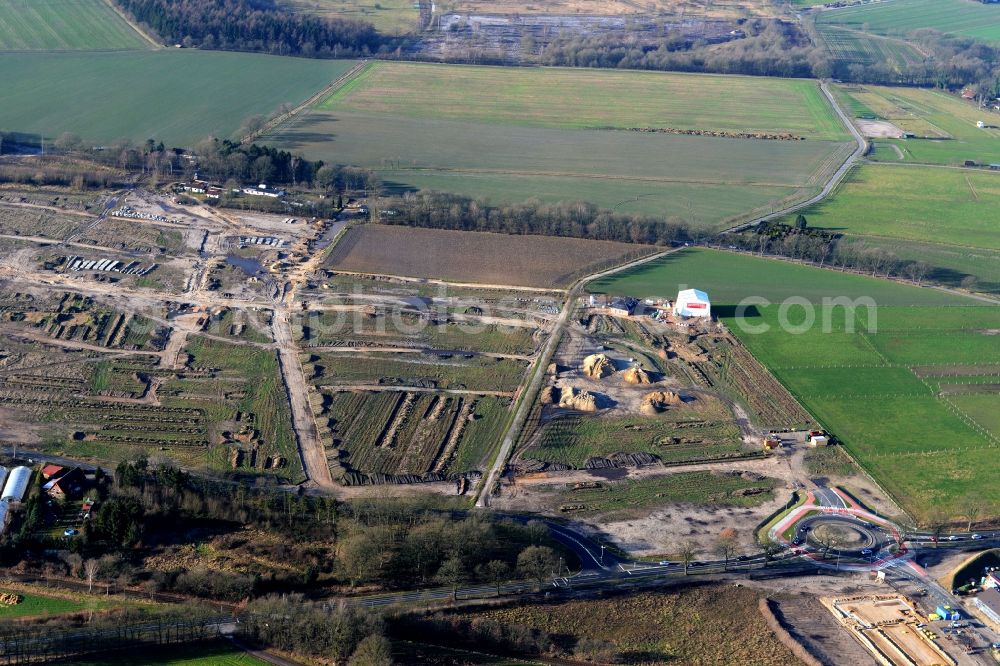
column 779, row 48
column 433, row 210
column 827, row 249
column 120, row 162
column 253, row 25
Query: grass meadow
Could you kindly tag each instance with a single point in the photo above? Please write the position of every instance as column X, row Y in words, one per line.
column 859, row 47
column 873, row 387
column 214, row 653
column 720, row 624
column 728, row 278
column 703, row 488
column 939, row 206
column 959, row 17
column 562, row 135
column 589, row 99
column 945, row 125
column 389, row 16
column 179, row 96
column 48, row 25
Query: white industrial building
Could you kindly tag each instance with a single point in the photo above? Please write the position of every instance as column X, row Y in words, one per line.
column 692, row 303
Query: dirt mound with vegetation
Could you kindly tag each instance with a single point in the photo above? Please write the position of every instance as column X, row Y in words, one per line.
column 583, row 401
column 636, row 375
column 657, row 401
column 598, row 366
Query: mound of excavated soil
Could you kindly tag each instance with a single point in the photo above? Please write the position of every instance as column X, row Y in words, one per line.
column 583, row 401
column 598, row 366
column 636, row 375
column 657, row 401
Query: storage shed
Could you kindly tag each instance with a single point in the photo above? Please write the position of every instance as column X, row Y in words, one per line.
column 692, row 303
column 17, row 484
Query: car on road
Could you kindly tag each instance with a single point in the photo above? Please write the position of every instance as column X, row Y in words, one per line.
column 866, row 551
column 697, row 564
column 977, row 537
column 69, row 531
column 797, row 541
column 742, row 558
column 954, row 537
column 665, row 563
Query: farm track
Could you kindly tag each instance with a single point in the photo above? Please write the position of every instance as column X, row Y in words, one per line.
column 526, row 403
column 835, row 179
column 411, row 389
column 305, row 105
column 414, row 350
column 135, row 26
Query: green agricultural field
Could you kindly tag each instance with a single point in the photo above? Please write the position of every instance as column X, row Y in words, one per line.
column 589, row 99
column 944, row 125
column 389, row 16
column 201, row 654
column 940, row 206
column 864, row 48
column 878, row 384
column 960, row 17
column 685, row 487
column 563, row 135
column 64, row 25
column 942, row 217
column 35, row 604
column 180, row 96
column 728, row 278
column 572, row 440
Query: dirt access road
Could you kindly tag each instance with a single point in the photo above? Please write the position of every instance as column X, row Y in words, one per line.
column 306, row 433
column 538, row 376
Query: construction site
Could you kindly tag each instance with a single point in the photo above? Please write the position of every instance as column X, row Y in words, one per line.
column 891, row 628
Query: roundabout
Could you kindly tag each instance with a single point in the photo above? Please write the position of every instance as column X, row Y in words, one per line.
column 844, row 537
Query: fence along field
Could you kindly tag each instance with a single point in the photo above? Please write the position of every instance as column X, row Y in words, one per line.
column 564, row 135
column 475, row 257
column 179, row 96
column 870, row 389
column 959, row 17
column 65, row 25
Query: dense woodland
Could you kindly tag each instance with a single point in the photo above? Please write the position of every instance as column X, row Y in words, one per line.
column 323, row 544
column 576, row 220
column 253, row 25
column 778, row 48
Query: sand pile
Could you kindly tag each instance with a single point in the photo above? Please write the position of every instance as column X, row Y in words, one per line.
column 583, row 401
column 636, row 375
column 598, row 366
column 657, row 401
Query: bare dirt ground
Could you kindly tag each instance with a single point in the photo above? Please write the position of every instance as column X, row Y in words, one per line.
column 879, row 129
column 815, row 628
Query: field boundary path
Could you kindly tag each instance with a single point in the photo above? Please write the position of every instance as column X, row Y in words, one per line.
column 135, row 26
column 859, row 152
column 311, row 450
column 288, row 115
